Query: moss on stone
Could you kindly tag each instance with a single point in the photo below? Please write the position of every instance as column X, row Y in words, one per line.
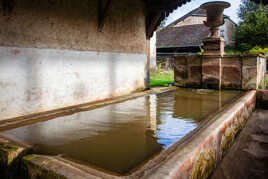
column 204, row 166
column 8, row 152
column 10, row 157
column 29, row 157
column 30, row 169
column 227, row 139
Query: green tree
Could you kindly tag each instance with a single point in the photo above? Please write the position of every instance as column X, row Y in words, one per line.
column 246, row 7
column 253, row 30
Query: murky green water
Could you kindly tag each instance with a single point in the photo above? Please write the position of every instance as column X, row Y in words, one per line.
column 121, row 136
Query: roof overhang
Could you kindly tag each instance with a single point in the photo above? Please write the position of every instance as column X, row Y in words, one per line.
column 157, row 10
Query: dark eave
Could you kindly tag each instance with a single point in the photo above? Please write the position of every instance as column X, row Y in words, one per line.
column 157, row 10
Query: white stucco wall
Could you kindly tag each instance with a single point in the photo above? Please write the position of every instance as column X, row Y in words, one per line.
column 225, row 35
column 153, row 51
column 36, row 80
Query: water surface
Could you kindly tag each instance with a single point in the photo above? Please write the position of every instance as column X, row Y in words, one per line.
column 121, row 136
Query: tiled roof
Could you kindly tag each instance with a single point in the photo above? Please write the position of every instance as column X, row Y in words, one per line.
column 182, row 36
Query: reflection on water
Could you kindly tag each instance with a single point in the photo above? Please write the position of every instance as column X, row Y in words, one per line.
column 121, row 136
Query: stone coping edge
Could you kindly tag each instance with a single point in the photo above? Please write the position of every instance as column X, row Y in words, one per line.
column 201, row 153
column 225, row 55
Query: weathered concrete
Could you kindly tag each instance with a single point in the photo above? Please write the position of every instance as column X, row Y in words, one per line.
column 36, row 80
column 73, row 25
column 40, row 166
column 248, row 156
column 227, row 72
column 53, row 55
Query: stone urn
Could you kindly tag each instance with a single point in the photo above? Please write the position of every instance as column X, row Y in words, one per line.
column 214, row 45
column 215, row 15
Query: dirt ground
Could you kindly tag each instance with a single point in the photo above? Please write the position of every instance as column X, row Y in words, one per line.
column 248, row 156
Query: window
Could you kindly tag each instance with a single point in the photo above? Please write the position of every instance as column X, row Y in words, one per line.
column 222, row 33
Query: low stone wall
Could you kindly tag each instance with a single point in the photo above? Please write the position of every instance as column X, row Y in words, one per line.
column 228, row 72
column 198, row 155
column 187, row 71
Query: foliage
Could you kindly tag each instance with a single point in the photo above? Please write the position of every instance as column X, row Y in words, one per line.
column 246, row 7
column 258, row 50
column 161, row 77
column 230, row 50
column 253, row 30
column 266, row 80
column 201, row 52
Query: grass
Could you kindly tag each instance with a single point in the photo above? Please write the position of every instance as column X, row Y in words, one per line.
column 266, row 80
column 161, row 77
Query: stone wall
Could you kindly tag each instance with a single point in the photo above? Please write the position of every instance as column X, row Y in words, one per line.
column 228, row 72
column 230, row 32
column 53, row 56
column 73, row 25
column 192, row 20
column 198, row 155
column 187, row 71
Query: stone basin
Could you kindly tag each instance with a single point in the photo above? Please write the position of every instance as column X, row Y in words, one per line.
column 126, row 138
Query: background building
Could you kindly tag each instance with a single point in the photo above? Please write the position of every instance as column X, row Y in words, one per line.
column 185, row 35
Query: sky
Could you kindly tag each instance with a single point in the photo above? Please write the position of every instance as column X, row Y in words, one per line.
column 231, row 11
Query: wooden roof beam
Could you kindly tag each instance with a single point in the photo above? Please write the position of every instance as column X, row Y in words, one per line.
column 102, row 12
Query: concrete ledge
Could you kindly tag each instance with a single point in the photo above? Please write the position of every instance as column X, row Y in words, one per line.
column 38, row 117
column 199, row 154
column 41, row 166
column 246, row 72
column 10, row 156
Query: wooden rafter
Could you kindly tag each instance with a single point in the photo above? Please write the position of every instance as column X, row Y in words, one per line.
column 7, row 6
column 153, row 24
column 102, row 12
